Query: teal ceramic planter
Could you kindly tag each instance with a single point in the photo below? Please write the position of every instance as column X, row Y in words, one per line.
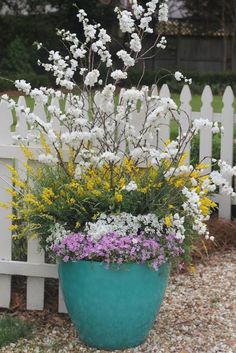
column 112, row 308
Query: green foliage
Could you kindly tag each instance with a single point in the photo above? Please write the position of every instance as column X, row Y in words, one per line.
column 12, row 329
column 17, row 58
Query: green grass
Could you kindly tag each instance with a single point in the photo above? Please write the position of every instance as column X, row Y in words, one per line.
column 12, row 329
column 195, row 103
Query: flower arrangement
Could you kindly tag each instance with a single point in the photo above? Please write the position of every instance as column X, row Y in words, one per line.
column 103, row 189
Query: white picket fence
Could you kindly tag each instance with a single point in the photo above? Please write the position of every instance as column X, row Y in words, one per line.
column 35, row 269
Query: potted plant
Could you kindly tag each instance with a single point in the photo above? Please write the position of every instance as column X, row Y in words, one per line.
column 115, row 209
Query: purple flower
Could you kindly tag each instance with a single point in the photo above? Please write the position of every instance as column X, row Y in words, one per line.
column 114, row 248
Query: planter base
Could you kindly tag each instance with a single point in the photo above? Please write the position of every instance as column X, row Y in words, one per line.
column 112, row 308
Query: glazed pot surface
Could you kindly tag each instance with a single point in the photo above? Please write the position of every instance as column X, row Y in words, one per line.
column 112, row 308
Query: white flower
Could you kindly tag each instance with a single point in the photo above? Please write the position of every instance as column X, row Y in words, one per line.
column 119, row 75
column 127, row 59
column 110, row 157
column 47, row 159
column 178, row 76
column 23, row 86
column 162, row 43
column 163, row 12
column 126, row 20
column 135, row 43
column 92, row 78
column 131, row 186
column 144, row 24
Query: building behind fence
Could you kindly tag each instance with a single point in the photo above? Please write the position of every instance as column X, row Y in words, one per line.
column 35, row 269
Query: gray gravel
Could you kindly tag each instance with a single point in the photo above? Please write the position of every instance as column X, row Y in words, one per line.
column 198, row 316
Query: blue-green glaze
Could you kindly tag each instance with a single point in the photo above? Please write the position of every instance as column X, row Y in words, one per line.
column 112, row 308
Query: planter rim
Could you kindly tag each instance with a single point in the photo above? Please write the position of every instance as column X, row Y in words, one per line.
column 111, row 263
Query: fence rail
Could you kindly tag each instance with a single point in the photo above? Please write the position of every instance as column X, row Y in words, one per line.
column 35, row 268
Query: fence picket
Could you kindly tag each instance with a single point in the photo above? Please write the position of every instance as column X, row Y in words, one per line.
column 5, row 233
column 164, row 132
column 35, row 286
column 227, row 144
column 185, row 115
column 21, row 125
column 205, row 148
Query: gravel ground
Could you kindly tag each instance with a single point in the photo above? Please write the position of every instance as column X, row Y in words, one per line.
column 198, row 316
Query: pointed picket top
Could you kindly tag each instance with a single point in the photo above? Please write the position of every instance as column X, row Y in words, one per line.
column 40, row 111
column 228, row 96
column 21, row 125
column 6, row 121
column 22, row 101
column 185, row 96
column 207, row 96
column 164, row 91
column 154, row 90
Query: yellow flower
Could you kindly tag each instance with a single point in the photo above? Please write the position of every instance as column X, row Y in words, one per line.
column 118, row 197
column 18, row 182
column 80, row 190
column 167, row 142
column 90, row 185
column 206, row 204
column 31, row 199
column 171, row 206
column 106, row 186
column 71, row 168
column 77, row 225
column 183, row 159
column 47, row 195
column 13, row 227
column 96, row 193
column 179, row 183
column 72, row 201
column 27, row 152
column 28, row 168
column 202, row 166
column 44, row 144
column 4, row 205
column 95, row 216
column 143, row 190
column 73, row 185
column 121, row 183
column 13, row 171
column 13, row 217
column 168, row 221
column 12, row 192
